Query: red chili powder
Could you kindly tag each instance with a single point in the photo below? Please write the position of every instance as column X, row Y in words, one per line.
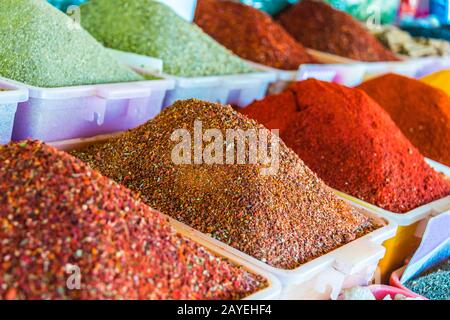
column 251, row 34
column 421, row 111
column 58, row 218
column 319, row 26
column 352, row 144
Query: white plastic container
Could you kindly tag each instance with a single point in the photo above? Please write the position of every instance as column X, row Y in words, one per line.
column 239, row 90
column 184, row 8
column 346, row 74
column 53, row 114
column 325, row 277
column 272, row 292
column 10, row 96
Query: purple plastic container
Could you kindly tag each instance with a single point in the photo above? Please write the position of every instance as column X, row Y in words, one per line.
column 53, row 114
column 10, row 96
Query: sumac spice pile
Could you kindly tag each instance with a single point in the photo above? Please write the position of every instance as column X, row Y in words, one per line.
column 352, row 144
column 284, row 219
column 59, row 219
column 319, row 26
column 250, row 33
column 421, row 111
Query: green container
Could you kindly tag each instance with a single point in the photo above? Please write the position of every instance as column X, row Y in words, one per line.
column 270, row 6
column 379, row 11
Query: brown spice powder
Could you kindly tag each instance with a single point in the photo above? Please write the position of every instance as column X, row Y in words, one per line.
column 285, row 219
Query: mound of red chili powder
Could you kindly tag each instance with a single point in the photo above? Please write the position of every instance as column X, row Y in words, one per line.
column 319, row 26
column 421, row 111
column 59, row 219
column 352, row 144
column 251, row 34
column 284, row 219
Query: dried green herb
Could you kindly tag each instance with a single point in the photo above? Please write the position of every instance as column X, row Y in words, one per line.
column 41, row 46
column 150, row 28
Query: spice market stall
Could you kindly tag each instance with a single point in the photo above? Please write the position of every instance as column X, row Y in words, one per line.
column 222, row 150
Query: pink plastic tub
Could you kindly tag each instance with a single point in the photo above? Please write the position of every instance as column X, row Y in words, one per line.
column 395, row 282
column 381, row 291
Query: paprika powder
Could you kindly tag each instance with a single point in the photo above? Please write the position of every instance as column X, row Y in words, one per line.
column 421, row 111
column 352, row 144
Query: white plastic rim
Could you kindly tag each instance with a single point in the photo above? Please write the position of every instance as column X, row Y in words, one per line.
column 14, row 93
column 342, row 259
column 121, row 90
column 272, row 292
column 282, row 75
column 415, row 215
column 214, row 81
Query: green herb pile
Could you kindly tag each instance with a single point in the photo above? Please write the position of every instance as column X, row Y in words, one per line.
column 150, row 28
column 41, row 46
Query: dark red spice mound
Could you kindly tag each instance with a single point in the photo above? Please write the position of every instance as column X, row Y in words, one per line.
column 55, row 213
column 319, row 26
column 352, row 144
column 421, row 111
column 251, row 34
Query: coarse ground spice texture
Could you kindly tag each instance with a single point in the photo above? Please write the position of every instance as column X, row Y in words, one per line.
column 58, row 216
column 284, row 219
column 434, row 284
column 421, row 111
column 352, row 144
column 251, row 34
column 151, row 28
column 319, row 26
column 41, row 46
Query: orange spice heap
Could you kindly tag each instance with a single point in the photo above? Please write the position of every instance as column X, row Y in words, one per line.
column 421, row 111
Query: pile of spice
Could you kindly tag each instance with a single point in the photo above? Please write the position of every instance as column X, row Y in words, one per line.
column 434, row 284
column 153, row 29
column 66, row 232
column 251, row 34
column 439, row 80
column 284, row 219
column 319, row 26
column 352, row 144
column 41, row 46
column 419, row 110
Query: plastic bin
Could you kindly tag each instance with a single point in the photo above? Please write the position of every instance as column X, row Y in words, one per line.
column 239, row 90
column 10, row 96
column 285, row 77
column 52, row 114
column 322, row 278
column 272, row 292
column 395, row 282
column 411, row 227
